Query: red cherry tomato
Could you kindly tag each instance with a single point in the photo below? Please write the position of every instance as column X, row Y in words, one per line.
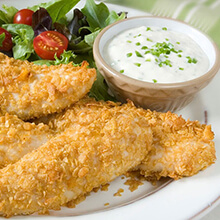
column 24, row 16
column 49, row 43
column 7, row 43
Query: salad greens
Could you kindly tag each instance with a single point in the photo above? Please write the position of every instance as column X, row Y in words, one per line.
column 6, row 17
column 2, row 37
column 56, row 8
column 22, row 38
column 99, row 16
column 81, row 31
column 65, row 58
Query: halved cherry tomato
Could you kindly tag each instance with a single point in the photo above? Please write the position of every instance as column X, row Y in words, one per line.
column 7, row 43
column 24, row 16
column 49, row 43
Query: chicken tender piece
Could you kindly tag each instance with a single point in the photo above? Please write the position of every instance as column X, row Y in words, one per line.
column 18, row 138
column 84, row 112
column 74, row 162
column 30, row 91
column 180, row 148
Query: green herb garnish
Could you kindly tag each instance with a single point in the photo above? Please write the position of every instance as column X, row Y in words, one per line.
column 166, row 62
column 137, row 64
column 129, row 54
column 191, row 60
column 144, row 48
column 2, row 38
column 138, row 54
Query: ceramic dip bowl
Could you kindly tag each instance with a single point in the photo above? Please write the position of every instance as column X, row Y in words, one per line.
column 155, row 86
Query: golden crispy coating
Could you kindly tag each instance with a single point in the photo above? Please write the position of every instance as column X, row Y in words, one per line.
column 76, row 161
column 83, row 113
column 180, row 148
column 18, row 138
column 29, row 90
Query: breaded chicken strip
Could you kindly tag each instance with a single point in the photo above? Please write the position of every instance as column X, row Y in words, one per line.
column 18, row 138
column 84, row 112
column 74, row 162
column 180, row 148
column 30, row 91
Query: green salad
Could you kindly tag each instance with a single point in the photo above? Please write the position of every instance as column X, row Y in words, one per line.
column 56, row 33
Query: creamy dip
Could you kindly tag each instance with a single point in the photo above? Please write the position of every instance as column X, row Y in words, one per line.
column 155, row 54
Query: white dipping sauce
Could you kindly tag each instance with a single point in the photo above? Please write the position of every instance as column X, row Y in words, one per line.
column 155, row 54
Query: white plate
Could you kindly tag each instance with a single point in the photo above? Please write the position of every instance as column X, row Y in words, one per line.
column 183, row 199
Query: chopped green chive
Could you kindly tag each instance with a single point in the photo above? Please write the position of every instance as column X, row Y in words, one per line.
column 154, row 80
column 191, row 60
column 138, row 54
column 137, row 35
column 162, row 48
column 129, row 41
column 177, row 42
column 137, row 64
column 144, row 48
column 166, row 39
column 181, row 68
column 148, row 39
column 122, row 71
column 166, row 62
column 148, row 29
column 194, row 60
column 147, row 52
column 138, row 44
column 129, row 54
column 148, row 60
column 164, row 28
column 179, row 55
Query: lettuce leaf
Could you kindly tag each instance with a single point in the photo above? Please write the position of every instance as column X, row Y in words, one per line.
column 99, row 89
column 90, row 38
column 65, row 58
column 113, row 17
column 2, row 38
column 57, row 8
column 23, row 36
column 6, row 17
column 96, row 14
column 99, row 16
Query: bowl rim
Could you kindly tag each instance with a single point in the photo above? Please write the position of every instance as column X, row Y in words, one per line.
column 206, row 76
